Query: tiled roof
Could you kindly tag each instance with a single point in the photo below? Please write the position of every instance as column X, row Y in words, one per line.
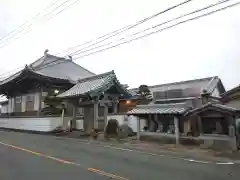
column 54, row 67
column 190, row 88
column 97, row 83
column 216, row 106
column 178, row 108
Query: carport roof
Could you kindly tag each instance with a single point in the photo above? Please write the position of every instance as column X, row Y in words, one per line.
column 215, row 107
column 177, row 108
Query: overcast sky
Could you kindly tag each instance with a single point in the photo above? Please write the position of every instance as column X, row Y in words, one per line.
column 201, row 48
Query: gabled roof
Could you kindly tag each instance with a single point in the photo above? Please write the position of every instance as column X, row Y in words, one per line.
column 53, row 67
column 190, row 87
column 231, row 91
column 215, row 107
column 177, row 108
column 94, row 85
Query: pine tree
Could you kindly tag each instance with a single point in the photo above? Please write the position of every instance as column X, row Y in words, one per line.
column 144, row 94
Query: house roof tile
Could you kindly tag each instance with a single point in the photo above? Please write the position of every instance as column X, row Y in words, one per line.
column 177, row 108
column 54, row 67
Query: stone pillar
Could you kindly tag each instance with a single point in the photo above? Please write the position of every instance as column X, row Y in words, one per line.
column 200, row 128
column 138, row 128
column 74, row 119
column 151, row 123
column 232, row 133
column 176, row 128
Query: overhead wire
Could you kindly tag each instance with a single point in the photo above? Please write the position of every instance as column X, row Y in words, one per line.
column 113, row 33
column 153, row 27
column 168, row 27
column 26, row 22
column 160, row 30
column 6, row 39
column 124, row 29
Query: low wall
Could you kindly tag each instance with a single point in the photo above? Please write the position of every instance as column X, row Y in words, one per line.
column 40, row 124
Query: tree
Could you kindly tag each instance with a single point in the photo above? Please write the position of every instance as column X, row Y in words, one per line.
column 144, row 94
column 54, row 105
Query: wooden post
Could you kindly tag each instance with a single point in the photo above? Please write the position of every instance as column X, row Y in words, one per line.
column 115, row 107
column 199, row 121
column 62, row 117
column 138, row 128
column 176, row 127
column 95, row 117
column 232, row 133
column 39, row 103
column 105, row 115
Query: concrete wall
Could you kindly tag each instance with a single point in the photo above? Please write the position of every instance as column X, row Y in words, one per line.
column 43, row 124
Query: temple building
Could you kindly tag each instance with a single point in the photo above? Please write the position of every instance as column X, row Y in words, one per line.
column 30, row 104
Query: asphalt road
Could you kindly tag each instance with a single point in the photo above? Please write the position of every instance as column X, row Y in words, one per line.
column 26, row 157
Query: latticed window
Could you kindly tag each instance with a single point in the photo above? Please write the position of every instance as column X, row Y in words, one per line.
column 29, row 102
column 18, row 104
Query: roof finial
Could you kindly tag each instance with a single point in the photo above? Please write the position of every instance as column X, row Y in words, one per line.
column 70, row 58
column 46, row 52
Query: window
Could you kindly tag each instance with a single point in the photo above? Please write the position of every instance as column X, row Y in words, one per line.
column 29, row 98
column 18, row 99
column 30, row 102
column 18, row 104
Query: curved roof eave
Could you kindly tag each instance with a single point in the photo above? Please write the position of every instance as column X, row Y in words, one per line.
column 27, row 70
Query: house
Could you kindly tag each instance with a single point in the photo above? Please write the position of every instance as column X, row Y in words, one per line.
column 183, row 94
column 190, row 108
column 27, row 89
column 232, row 97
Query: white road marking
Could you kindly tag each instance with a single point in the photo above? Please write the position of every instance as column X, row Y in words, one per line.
column 227, row 163
column 197, row 161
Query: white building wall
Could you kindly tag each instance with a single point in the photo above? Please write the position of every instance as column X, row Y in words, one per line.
column 4, row 108
column 11, row 103
column 43, row 124
column 36, row 101
column 23, row 103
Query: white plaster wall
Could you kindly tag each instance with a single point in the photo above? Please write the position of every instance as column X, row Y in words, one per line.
column 10, row 105
column 23, row 103
column 36, row 101
column 131, row 121
column 4, row 108
column 44, row 124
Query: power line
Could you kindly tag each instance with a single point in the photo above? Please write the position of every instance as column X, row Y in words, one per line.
column 121, row 30
column 45, row 15
column 168, row 27
column 153, row 27
column 26, row 22
column 140, row 37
